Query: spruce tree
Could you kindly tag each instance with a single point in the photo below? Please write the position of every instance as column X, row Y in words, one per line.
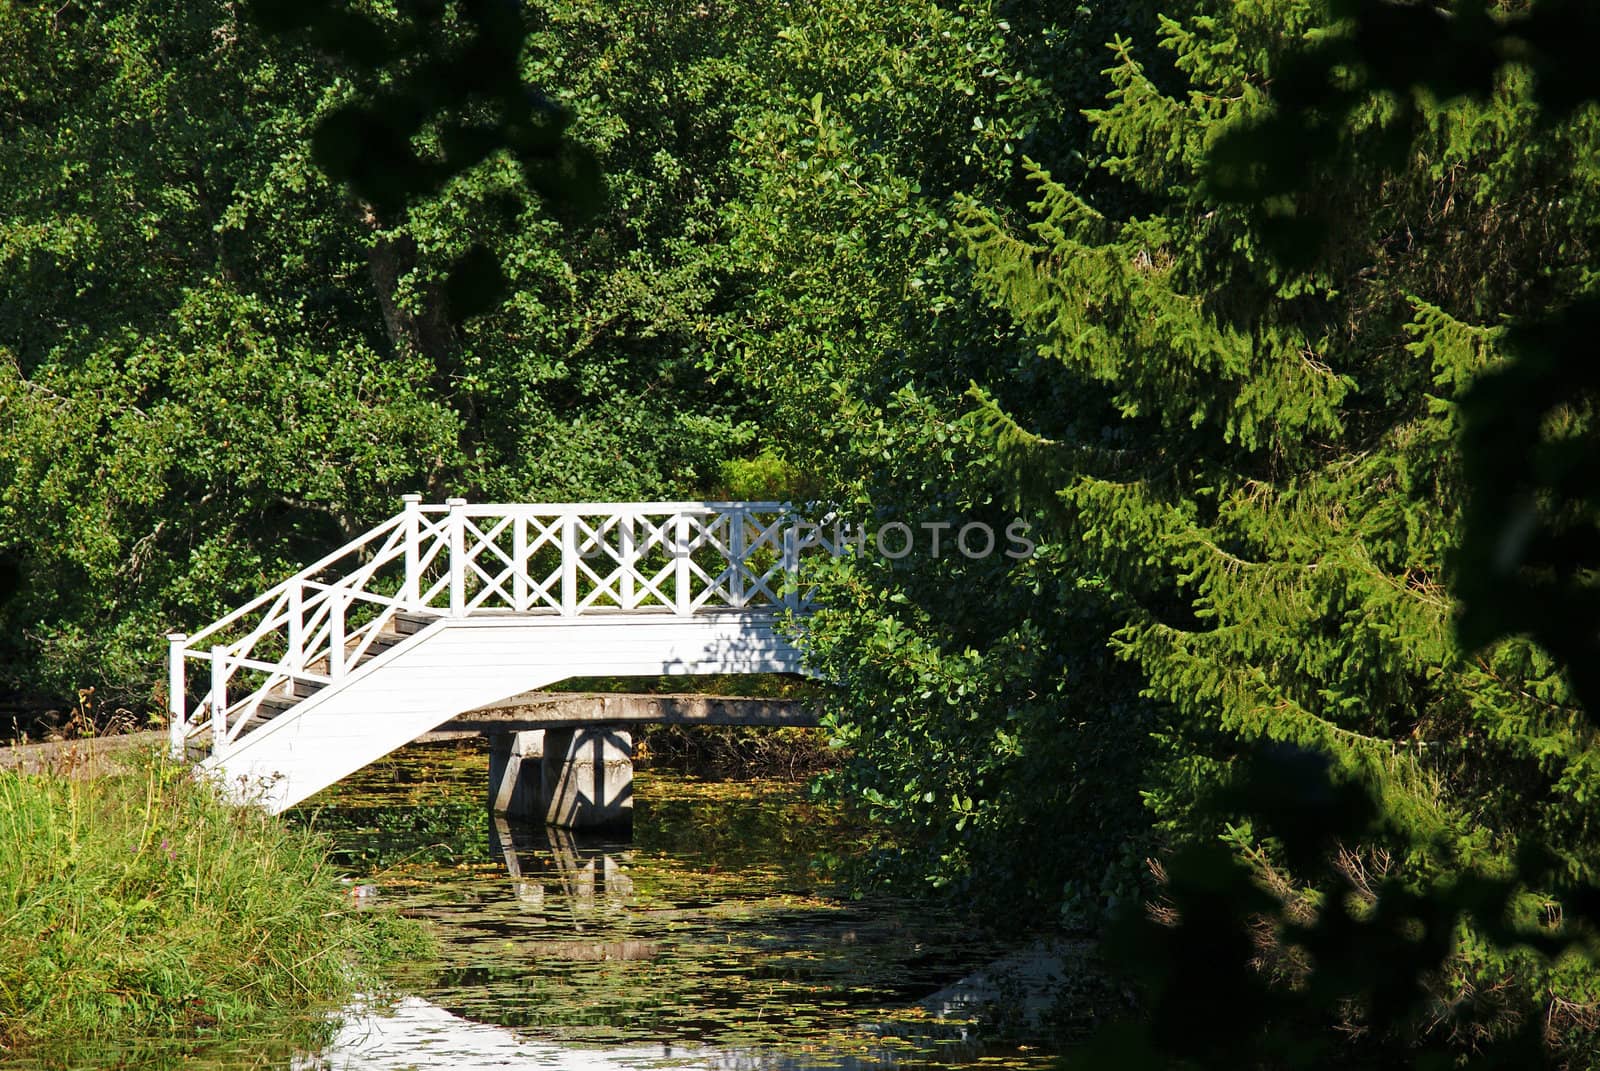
column 1262, row 463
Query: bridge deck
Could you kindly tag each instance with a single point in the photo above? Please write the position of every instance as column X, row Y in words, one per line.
column 562, row 710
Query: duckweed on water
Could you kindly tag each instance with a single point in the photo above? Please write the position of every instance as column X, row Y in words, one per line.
column 713, row 925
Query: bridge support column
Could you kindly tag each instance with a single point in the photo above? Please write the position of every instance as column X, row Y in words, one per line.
column 516, row 774
column 588, row 778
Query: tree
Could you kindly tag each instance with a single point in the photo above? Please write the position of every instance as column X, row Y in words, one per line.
column 221, row 361
column 194, row 394
column 1263, row 467
column 989, row 732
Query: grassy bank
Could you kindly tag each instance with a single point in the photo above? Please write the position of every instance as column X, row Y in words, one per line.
column 139, row 902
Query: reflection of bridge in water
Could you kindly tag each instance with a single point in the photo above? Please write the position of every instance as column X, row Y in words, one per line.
column 565, row 911
column 584, row 871
column 461, row 612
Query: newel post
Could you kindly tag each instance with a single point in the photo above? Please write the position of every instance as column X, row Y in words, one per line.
column 630, row 562
column 458, row 556
column 411, row 587
column 338, row 606
column 177, row 701
column 519, row 563
column 219, row 698
column 791, row 563
column 295, row 660
column 569, row 565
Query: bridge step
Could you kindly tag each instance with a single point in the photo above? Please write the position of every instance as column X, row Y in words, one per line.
column 303, row 688
column 288, row 696
column 409, row 624
column 273, row 706
column 380, row 643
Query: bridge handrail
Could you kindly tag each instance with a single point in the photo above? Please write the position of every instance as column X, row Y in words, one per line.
column 459, row 559
column 305, row 574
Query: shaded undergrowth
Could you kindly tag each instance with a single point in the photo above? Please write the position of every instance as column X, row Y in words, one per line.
column 141, row 902
column 736, row 751
column 752, row 685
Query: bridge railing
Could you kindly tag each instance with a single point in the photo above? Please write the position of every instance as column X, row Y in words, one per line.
column 461, row 559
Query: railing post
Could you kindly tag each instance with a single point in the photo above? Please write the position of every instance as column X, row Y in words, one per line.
column 411, row 588
column 458, row 556
column 791, row 564
column 519, row 563
column 683, row 594
column 294, row 661
column 338, row 604
column 630, row 562
column 569, row 565
column 219, row 698
column 177, row 701
column 736, row 554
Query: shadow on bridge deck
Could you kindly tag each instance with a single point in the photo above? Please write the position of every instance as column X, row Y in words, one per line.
column 562, row 710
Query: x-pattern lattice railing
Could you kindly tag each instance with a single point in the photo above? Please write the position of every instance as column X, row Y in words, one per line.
column 460, row 560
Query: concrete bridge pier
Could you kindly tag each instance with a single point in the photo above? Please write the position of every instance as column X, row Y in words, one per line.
column 515, row 759
column 574, row 777
column 588, row 777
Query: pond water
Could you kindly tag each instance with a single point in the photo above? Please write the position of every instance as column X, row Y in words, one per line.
column 711, row 938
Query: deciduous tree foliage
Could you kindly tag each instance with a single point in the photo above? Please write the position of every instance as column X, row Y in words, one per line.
column 194, row 388
column 219, row 362
column 989, row 728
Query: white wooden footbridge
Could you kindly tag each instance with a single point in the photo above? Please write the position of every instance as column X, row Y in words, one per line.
column 445, row 609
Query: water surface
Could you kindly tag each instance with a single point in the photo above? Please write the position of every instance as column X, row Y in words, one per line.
column 711, row 937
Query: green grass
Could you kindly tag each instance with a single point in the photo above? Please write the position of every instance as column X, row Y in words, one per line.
column 140, row 902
